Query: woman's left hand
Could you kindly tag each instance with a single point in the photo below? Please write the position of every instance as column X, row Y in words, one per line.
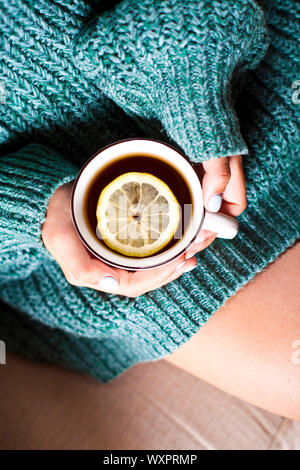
column 224, row 190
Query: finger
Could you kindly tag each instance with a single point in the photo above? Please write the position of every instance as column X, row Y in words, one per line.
column 215, row 179
column 183, row 269
column 133, row 284
column 234, row 196
column 79, row 267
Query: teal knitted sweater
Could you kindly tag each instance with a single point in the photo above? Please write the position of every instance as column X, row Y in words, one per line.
column 212, row 77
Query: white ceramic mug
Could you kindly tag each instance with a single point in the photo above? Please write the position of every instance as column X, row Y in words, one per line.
column 223, row 225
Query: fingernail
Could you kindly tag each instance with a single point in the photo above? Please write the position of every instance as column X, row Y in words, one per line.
column 180, row 266
column 108, row 283
column 190, row 268
column 214, row 203
column 189, row 255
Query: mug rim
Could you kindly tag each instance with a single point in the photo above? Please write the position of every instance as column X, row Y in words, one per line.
column 83, row 240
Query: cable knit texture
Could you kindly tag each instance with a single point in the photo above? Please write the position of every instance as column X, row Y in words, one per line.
column 197, row 74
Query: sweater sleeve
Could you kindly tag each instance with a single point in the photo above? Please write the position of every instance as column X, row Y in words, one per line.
column 28, row 178
column 174, row 62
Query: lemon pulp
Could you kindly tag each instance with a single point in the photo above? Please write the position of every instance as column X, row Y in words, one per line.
column 137, row 214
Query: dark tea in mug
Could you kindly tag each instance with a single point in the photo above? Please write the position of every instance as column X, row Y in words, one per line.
column 138, row 163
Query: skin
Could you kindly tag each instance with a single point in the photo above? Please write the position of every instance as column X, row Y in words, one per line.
column 250, row 347
column 219, row 176
column 247, row 347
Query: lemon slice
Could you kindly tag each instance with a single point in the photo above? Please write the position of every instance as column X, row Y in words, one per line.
column 137, row 214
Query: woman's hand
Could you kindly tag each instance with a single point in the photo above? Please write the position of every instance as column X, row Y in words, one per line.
column 224, row 190
column 83, row 269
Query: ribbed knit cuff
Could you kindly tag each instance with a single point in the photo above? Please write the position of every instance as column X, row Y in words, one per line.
column 28, row 178
column 203, row 123
column 175, row 62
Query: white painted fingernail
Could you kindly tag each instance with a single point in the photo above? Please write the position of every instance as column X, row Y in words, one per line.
column 180, row 266
column 108, row 283
column 190, row 268
column 214, row 203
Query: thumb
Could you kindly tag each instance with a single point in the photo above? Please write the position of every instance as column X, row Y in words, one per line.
column 215, row 179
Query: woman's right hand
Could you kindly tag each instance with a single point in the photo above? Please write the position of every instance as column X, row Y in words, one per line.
column 82, row 269
column 224, row 190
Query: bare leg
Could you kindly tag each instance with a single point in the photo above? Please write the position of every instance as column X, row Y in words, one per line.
column 251, row 346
